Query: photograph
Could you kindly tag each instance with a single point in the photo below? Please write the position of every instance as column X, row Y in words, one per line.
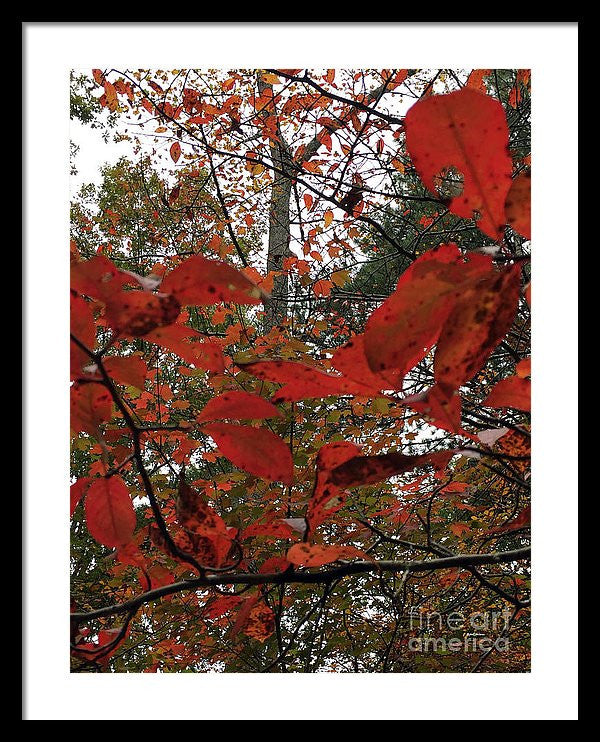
column 291, row 461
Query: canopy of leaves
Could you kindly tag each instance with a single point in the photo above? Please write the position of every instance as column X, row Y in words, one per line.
column 300, row 372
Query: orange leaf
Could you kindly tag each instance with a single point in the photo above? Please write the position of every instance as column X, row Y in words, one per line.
column 175, row 151
column 314, row 555
column 513, row 392
column 323, row 287
column 523, row 368
column 475, row 80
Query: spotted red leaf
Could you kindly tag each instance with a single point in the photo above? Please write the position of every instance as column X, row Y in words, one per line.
column 466, row 130
column 238, row 405
column 401, row 331
column 479, row 320
column 199, row 519
column 199, row 281
column 361, row 470
column 135, row 313
column 257, row 451
column 109, row 511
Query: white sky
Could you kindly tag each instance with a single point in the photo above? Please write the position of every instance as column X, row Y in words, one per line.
column 93, row 153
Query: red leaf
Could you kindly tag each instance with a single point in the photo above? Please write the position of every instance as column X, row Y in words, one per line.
column 522, row 520
column 175, row 151
column 314, row 555
column 128, row 370
column 479, row 320
column 326, row 498
column 255, row 619
column 91, row 405
column 238, row 405
column 274, row 529
column 109, row 511
column 78, row 489
column 84, row 329
column 199, row 281
column 350, row 359
column 513, row 392
column 466, row 130
column 179, row 339
column 274, row 565
column 220, row 606
column 442, row 405
column 102, row 650
column 300, row 381
column 518, row 205
column 254, row 450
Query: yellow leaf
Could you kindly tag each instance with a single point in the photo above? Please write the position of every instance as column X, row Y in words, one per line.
column 271, row 79
column 398, row 165
column 340, row 277
column 328, row 217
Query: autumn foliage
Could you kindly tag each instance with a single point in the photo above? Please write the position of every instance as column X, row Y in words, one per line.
column 277, row 464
